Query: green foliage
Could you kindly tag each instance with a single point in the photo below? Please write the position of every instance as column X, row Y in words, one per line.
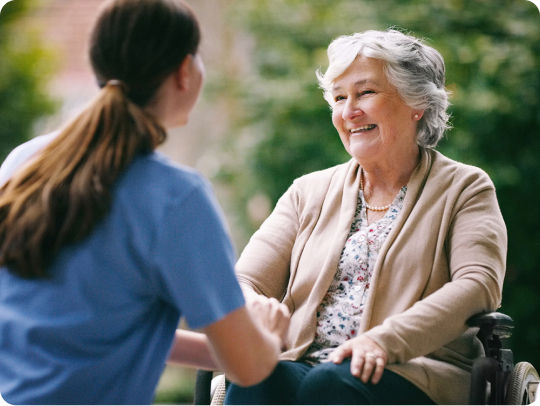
column 175, row 386
column 492, row 53
column 24, row 69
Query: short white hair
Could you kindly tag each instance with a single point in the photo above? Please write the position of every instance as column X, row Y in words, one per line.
column 415, row 69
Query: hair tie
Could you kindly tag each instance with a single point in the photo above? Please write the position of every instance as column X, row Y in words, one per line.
column 116, row 82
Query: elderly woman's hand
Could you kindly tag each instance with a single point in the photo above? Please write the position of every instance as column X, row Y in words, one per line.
column 367, row 358
column 270, row 314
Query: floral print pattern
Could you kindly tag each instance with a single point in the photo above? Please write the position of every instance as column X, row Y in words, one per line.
column 340, row 312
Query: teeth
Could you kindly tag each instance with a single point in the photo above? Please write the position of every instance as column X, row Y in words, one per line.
column 363, row 128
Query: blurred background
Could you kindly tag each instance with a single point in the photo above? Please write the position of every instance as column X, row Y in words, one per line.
column 262, row 121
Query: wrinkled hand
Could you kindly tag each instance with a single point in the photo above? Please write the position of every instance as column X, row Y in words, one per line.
column 368, row 359
column 270, row 314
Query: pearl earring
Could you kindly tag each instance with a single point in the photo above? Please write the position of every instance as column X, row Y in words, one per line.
column 416, row 116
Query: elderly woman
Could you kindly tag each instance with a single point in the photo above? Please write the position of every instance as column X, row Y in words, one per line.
column 381, row 260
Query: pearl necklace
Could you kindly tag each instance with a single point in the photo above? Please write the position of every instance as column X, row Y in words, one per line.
column 372, row 208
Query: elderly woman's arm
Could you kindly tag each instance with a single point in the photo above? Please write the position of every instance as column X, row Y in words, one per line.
column 476, row 251
column 270, row 248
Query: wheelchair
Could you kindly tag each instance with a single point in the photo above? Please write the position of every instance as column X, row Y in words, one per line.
column 495, row 379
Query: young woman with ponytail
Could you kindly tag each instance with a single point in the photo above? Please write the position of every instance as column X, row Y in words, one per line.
column 105, row 244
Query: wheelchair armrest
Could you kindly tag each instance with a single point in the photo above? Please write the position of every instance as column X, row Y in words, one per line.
column 496, row 366
column 493, row 323
column 494, row 330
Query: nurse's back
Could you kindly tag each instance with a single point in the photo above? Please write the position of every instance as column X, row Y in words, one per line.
column 104, row 244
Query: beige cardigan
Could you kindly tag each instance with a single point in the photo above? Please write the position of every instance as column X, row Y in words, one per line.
column 443, row 261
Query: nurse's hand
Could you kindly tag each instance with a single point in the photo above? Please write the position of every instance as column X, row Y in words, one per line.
column 368, row 359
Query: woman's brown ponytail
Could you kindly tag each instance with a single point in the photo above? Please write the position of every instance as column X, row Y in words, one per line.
column 59, row 197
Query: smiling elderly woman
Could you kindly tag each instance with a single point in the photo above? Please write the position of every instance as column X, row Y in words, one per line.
column 381, row 260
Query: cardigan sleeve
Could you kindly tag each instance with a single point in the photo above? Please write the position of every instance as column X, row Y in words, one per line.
column 264, row 264
column 475, row 251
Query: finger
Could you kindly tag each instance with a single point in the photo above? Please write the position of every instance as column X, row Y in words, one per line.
column 256, row 305
column 339, row 354
column 259, row 309
column 358, row 361
column 369, row 365
column 285, row 311
column 379, row 369
column 282, row 312
column 282, row 320
column 270, row 314
column 275, row 312
column 283, row 326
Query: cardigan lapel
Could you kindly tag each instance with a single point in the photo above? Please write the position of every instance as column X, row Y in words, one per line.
column 336, row 215
column 414, row 189
column 345, row 203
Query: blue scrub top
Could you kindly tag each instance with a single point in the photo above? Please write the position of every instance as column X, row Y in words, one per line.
column 100, row 329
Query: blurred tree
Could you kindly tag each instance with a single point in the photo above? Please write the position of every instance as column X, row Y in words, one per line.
column 25, row 68
column 492, row 53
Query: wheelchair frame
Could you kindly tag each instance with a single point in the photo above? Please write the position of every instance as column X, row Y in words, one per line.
column 495, row 380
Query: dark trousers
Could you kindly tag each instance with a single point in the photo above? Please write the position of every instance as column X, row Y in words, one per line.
column 325, row 384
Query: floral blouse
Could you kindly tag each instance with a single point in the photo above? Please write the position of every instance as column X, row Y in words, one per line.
column 340, row 312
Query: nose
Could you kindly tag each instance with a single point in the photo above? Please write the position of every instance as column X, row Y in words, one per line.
column 351, row 109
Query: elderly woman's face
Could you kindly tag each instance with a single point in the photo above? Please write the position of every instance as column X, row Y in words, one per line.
column 372, row 120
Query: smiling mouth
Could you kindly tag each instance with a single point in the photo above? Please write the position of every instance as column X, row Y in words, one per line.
column 362, row 129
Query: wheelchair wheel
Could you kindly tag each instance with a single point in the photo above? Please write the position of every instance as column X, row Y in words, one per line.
column 218, row 388
column 521, row 385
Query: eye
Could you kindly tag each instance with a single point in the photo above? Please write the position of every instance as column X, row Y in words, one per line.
column 364, row 92
column 339, row 98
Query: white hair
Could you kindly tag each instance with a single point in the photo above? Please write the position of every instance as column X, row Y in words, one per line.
column 416, row 70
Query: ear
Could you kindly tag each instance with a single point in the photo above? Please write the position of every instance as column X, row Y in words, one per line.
column 183, row 71
column 417, row 115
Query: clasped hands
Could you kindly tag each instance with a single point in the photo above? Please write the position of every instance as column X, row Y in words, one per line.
column 368, row 359
column 270, row 314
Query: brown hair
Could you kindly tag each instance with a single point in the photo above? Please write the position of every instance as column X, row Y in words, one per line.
column 60, row 196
